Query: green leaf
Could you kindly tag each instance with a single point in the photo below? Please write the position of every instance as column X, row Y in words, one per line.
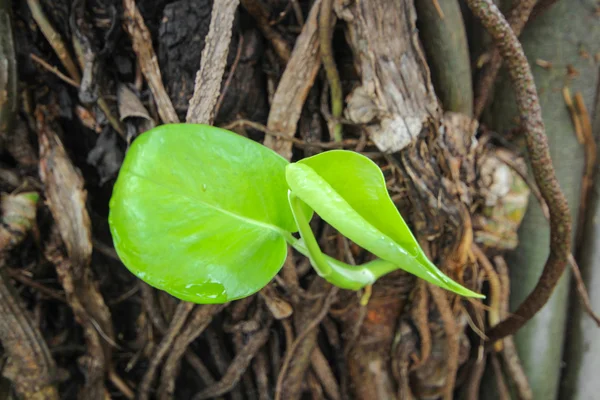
column 201, row 213
column 348, row 191
column 342, row 275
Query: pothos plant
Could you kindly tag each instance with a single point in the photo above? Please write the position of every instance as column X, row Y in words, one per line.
column 207, row 215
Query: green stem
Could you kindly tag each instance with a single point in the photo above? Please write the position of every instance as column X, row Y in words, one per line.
column 335, row 272
column 317, row 258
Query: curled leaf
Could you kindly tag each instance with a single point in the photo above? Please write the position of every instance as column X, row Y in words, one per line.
column 348, row 191
column 342, row 275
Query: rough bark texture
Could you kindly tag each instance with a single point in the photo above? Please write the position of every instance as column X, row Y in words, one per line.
column 294, row 85
column 396, row 98
column 212, row 64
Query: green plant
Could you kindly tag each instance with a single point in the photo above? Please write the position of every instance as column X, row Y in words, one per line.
column 207, row 215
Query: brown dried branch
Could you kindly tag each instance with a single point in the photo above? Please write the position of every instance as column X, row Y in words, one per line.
column 201, row 369
column 452, row 336
column 495, row 289
column 543, row 170
column 220, row 357
column 151, row 307
column 230, row 75
column 239, row 364
column 509, row 350
column 260, row 366
column 295, row 83
column 291, row 373
column 19, row 276
column 183, row 310
column 198, row 321
column 54, row 70
column 473, row 385
column 324, row 374
column 66, row 198
column 420, row 315
column 54, row 39
column 142, row 46
column 502, row 388
column 346, row 143
column 95, row 361
column 212, row 63
column 517, row 18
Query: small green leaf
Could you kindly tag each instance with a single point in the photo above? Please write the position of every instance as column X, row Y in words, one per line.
column 201, row 212
column 348, row 191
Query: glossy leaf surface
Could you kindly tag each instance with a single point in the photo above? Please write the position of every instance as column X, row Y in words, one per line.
column 201, row 212
column 348, row 191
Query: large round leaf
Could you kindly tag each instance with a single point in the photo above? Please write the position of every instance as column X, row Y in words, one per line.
column 201, row 212
column 348, row 191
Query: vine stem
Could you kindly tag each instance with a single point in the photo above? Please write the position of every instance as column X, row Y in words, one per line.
column 326, row 22
column 517, row 18
column 541, row 163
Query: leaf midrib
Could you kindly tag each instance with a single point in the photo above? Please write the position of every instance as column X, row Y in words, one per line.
column 250, row 221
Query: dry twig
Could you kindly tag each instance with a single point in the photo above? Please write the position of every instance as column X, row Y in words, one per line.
column 183, row 310
column 54, row 39
column 291, row 351
column 452, row 336
column 212, row 63
column 238, row 366
column 54, row 70
column 197, row 323
column 295, row 83
column 420, row 315
column 142, row 46
column 66, row 198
